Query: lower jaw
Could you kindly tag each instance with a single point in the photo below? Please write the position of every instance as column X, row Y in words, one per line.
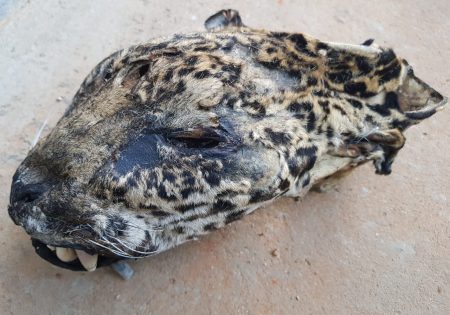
column 47, row 254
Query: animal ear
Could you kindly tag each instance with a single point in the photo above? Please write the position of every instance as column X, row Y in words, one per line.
column 368, row 42
column 390, row 141
column 223, row 19
column 393, row 138
column 417, row 99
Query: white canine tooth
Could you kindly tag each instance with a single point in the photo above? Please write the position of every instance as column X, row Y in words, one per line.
column 65, row 254
column 52, row 248
column 89, row 262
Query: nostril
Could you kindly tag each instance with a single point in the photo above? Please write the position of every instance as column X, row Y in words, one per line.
column 28, row 192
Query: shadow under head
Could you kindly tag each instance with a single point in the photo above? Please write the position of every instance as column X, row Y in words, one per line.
column 168, row 140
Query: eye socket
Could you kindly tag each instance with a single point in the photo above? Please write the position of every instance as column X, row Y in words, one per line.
column 197, row 138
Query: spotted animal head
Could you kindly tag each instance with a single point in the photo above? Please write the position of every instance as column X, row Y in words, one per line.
column 170, row 139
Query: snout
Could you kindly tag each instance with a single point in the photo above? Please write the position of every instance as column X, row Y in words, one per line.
column 51, row 235
column 27, row 188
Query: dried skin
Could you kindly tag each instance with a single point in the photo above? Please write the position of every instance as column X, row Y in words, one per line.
column 171, row 139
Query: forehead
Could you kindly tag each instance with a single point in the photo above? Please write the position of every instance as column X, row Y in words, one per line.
column 197, row 80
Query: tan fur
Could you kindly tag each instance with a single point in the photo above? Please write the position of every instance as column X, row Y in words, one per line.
column 174, row 138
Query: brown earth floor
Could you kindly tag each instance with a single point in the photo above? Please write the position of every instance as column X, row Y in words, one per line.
column 375, row 245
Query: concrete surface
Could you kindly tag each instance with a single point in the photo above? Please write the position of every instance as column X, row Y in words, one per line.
column 376, row 245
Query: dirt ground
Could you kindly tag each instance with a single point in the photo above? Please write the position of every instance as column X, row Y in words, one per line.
column 375, row 245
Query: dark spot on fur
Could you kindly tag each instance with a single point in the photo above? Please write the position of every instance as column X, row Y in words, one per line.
column 306, row 151
column 189, row 180
column 119, row 193
column 400, row 124
column 294, row 167
column 229, row 101
column 355, row 103
column 325, row 106
column 386, row 57
column 363, row 66
column 179, row 229
column 330, row 132
column 311, row 122
column 163, row 194
column 306, row 181
column 131, row 182
column 170, row 177
column 308, row 165
column 160, row 213
column 297, row 107
column 210, row 227
column 260, row 109
column 339, row 109
column 322, row 45
column 148, row 207
column 259, row 196
column 279, row 35
column 234, row 216
column 234, row 69
column 186, row 192
column 180, row 88
column 191, row 61
column 301, row 44
column 168, row 75
column 340, row 77
column 272, row 64
column 202, row 74
column 222, row 206
column 278, row 137
column 391, row 102
column 212, row 178
column 355, row 88
column 312, row 81
column 369, row 119
column 390, row 72
column 185, row 71
column 284, row 184
column 203, row 48
column 143, row 70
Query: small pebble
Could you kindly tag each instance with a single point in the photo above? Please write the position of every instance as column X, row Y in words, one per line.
column 275, row 253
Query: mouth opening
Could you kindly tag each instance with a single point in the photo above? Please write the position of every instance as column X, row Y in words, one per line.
column 74, row 264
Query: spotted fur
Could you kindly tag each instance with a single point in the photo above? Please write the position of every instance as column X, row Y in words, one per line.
column 171, row 139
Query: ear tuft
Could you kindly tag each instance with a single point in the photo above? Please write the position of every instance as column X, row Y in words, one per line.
column 368, row 42
column 223, row 19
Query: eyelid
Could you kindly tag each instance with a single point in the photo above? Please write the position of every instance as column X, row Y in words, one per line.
column 199, row 137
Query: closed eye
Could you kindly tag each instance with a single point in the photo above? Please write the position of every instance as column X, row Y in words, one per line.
column 198, row 138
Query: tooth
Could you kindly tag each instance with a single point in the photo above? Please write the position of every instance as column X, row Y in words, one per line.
column 52, row 248
column 89, row 262
column 65, row 254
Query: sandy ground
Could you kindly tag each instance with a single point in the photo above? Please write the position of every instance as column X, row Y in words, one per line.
column 375, row 245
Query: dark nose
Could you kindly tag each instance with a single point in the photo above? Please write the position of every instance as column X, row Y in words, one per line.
column 21, row 192
column 28, row 185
